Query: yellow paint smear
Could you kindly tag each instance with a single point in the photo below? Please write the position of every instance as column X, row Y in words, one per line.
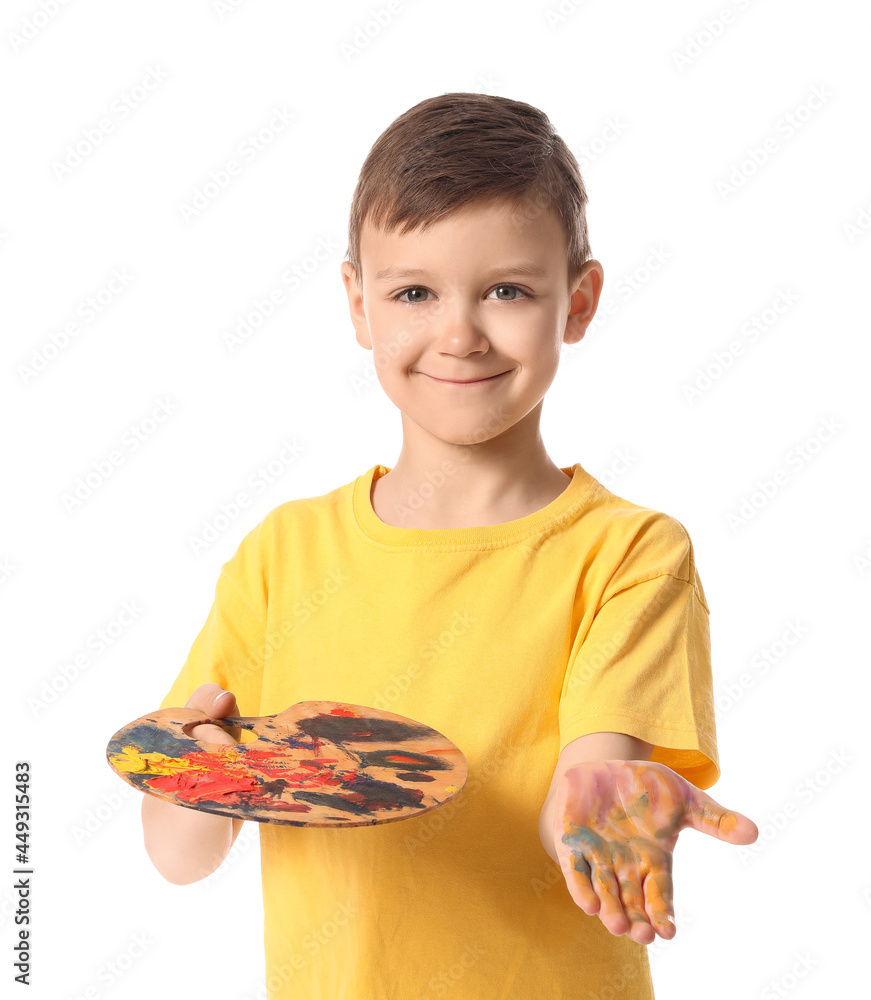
column 131, row 760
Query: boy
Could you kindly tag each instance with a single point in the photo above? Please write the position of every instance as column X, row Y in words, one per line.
column 557, row 633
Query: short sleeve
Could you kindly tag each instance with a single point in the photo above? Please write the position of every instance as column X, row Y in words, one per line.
column 230, row 647
column 644, row 668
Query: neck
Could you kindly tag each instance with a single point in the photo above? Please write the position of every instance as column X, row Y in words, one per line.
column 466, row 486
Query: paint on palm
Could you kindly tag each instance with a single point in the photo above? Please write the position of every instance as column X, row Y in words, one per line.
column 318, row 763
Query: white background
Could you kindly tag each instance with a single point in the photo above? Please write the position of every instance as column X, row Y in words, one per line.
column 663, row 104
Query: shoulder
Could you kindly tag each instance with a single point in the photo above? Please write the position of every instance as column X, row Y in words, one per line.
column 292, row 525
column 638, row 543
column 303, row 513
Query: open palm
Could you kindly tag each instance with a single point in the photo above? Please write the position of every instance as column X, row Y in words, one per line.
column 616, row 824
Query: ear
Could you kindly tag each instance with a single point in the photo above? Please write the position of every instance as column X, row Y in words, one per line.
column 584, row 301
column 355, row 304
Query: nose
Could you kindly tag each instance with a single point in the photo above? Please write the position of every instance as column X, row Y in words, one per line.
column 458, row 330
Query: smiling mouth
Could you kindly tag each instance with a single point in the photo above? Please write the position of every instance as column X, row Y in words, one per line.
column 470, row 381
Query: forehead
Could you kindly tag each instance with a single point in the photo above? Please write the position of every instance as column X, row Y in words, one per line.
column 480, row 233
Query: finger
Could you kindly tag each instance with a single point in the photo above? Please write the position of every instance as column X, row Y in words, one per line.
column 202, row 697
column 224, row 705
column 659, row 902
column 611, row 911
column 212, row 734
column 214, row 700
column 708, row 816
column 576, row 872
column 633, row 905
column 215, row 703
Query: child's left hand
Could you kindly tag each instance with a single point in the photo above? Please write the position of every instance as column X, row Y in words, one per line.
column 616, row 824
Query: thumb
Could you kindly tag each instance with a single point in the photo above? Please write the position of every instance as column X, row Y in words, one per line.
column 222, row 705
column 708, row 816
column 211, row 699
column 216, row 704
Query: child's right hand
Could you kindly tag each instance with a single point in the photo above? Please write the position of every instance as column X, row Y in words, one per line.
column 215, row 703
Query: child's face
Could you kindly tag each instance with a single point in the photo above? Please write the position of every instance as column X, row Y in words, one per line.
column 467, row 315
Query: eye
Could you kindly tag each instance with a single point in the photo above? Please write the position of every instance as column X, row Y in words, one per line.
column 419, row 288
column 499, row 288
column 405, row 291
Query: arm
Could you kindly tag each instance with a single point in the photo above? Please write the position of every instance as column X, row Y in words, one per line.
column 185, row 845
column 593, row 746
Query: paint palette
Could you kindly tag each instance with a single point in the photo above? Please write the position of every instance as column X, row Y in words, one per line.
column 318, row 763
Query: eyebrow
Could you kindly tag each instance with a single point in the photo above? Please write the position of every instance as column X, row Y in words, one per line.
column 522, row 267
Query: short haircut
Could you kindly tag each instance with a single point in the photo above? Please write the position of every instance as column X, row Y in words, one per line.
column 460, row 148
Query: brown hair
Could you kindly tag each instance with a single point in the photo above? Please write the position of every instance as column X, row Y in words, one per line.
column 449, row 151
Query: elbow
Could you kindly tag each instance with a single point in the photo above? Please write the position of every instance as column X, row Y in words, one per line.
column 175, row 868
column 171, row 872
column 176, row 875
column 183, row 846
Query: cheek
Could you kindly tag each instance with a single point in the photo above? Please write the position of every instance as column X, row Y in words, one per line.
column 392, row 352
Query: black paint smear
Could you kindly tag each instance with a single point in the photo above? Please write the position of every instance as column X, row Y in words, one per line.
column 370, row 796
column 246, row 805
column 333, row 801
column 153, row 739
column 234, row 721
column 350, row 729
column 415, row 777
column 382, row 794
column 275, row 787
column 410, row 761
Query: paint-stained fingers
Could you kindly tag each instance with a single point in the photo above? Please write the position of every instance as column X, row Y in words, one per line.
column 632, row 898
column 608, row 890
column 578, row 882
column 659, row 901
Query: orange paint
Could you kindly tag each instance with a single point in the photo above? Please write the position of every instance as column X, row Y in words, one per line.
column 728, row 823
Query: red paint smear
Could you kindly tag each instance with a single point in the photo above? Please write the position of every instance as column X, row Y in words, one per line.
column 268, row 763
column 234, row 779
column 344, row 711
column 401, row 758
column 193, row 787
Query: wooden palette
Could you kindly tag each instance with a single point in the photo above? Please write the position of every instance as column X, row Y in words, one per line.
column 318, row 763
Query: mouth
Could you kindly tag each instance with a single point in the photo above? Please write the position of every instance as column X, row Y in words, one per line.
column 473, row 381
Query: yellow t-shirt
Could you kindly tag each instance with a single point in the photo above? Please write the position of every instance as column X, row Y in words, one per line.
column 510, row 639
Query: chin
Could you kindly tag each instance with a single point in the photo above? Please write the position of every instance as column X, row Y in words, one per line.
column 467, row 436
